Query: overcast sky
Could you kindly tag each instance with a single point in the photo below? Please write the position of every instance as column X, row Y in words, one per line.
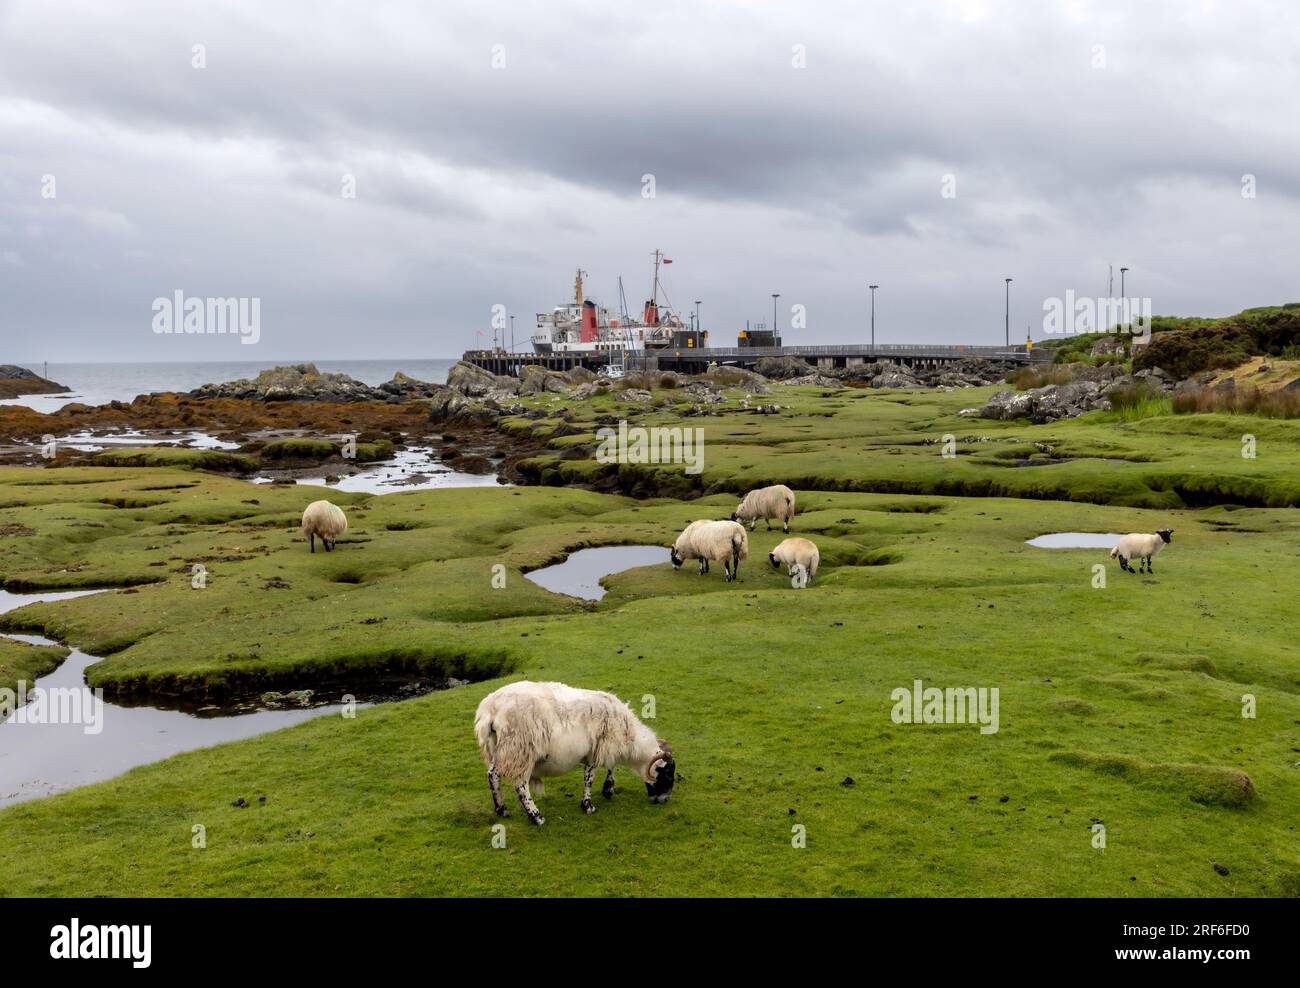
column 797, row 147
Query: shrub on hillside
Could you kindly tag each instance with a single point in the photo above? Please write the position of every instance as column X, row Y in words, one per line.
column 1184, row 347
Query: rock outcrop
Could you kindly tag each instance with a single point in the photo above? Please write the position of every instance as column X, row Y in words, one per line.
column 300, row 382
column 15, row 381
column 1092, row 389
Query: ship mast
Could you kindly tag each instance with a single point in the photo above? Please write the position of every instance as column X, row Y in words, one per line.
column 654, row 288
column 577, row 287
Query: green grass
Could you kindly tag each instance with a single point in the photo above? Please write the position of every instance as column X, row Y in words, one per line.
column 22, row 663
column 1122, row 703
column 863, row 440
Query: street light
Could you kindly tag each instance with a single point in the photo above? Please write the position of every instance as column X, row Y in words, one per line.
column 873, row 318
column 697, row 315
column 1123, row 299
column 1008, row 313
column 512, row 334
column 775, row 296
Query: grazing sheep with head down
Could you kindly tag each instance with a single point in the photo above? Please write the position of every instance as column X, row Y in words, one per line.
column 767, row 503
column 1141, row 547
column 326, row 520
column 796, row 553
column 721, row 541
column 529, row 730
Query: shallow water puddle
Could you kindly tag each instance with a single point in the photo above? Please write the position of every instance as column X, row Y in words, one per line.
column 88, row 442
column 106, row 739
column 1075, row 540
column 409, row 470
column 580, row 574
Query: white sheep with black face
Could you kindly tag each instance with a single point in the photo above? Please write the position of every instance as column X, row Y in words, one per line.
column 1141, row 547
column 720, row 541
column 529, row 730
column 800, row 556
column 326, row 520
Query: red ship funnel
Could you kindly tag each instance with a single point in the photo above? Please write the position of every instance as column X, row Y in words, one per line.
column 651, row 313
column 589, row 332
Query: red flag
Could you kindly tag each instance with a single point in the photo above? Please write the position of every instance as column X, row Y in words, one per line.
column 666, row 261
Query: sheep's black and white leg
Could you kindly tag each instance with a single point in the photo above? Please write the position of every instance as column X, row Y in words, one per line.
column 607, row 790
column 704, row 566
column 588, row 774
column 785, row 526
column 526, row 801
column 494, row 783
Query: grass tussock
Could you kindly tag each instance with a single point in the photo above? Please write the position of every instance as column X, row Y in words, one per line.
column 1284, row 404
column 1137, row 401
column 1028, row 378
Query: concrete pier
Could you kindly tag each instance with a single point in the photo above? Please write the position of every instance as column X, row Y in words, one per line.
column 691, row 360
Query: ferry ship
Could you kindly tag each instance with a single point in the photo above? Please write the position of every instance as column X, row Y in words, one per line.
column 582, row 326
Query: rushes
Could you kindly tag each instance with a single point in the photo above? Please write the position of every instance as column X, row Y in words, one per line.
column 1281, row 404
column 1028, row 378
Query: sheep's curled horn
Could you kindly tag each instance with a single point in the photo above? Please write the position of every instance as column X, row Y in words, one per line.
column 661, row 760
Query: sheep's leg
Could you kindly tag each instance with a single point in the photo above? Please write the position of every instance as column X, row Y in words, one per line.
column 588, row 773
column 704, row 566
column 526, row 800
column 494, row 783
column 311, row 537
column 607, row 790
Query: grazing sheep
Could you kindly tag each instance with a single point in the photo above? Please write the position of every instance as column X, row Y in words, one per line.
column 722, row 541
column 767, row 503
column 1139, row 546
column 529, row 730
column 326, row 520
column 796, row 553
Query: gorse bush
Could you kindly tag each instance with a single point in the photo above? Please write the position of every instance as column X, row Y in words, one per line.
column 1189, row 346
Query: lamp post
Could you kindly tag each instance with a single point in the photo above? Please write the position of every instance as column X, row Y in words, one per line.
column 512, row 334
column 873, row 318
column 697, row 315
column 775, row 296
column 1123, row 299
column 1008, row 327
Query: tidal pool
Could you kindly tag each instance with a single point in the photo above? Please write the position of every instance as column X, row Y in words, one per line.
column 581, row 573
column 65, row 736
column 1075, row 540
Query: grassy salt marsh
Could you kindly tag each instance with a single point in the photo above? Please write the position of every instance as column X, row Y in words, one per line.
column 1121, row 704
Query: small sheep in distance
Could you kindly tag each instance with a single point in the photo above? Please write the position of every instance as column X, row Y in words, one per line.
column 800, row 555
column 1141, row 547
column 529, row 730
column 722, row 541
column 767, row 503
column 326, row 520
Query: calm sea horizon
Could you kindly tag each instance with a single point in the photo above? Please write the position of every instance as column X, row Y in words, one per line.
column 100, row 383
